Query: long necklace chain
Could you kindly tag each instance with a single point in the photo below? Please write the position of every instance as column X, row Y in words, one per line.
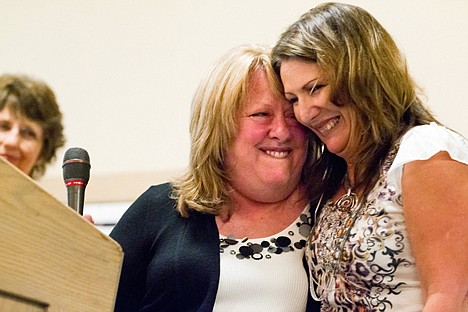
column 347, row 184
column 331, row 250
column 349, row 205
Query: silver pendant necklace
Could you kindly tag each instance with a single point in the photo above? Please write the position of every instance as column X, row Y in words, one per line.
column 329, row 247
column 349, row 200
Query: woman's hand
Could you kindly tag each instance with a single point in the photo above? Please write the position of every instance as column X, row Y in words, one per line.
column 88, row 217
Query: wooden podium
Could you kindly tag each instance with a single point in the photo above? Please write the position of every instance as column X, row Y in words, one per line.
column 51, row 259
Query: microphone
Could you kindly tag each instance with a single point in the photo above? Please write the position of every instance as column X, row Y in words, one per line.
column 75, row 168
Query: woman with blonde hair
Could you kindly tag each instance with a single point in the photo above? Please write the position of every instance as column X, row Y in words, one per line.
column 229, row 234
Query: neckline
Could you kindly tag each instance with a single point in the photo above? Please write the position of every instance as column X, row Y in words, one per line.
column 287, row 229
column 293, row 237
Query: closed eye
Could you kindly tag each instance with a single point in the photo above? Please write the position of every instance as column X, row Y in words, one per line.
column 316, row 88
column 293, row 100
column 260, row 114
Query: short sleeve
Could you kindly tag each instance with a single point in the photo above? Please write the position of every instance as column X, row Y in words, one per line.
column 422, row 142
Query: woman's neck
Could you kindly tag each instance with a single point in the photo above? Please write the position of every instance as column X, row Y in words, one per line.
column 245, row 217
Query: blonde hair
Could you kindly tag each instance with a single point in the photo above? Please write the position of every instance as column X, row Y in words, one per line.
column 365, row 70
column 214, row 124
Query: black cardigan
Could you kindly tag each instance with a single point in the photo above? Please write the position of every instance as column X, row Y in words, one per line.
column 170, row 263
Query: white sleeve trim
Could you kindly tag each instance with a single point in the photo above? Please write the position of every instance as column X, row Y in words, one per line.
column 423, row 142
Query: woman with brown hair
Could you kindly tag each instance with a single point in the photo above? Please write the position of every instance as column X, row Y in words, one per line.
column 391, row 182
column 31, row 129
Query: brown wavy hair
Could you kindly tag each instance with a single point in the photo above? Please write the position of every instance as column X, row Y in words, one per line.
column 367, row 71
column 34, row 100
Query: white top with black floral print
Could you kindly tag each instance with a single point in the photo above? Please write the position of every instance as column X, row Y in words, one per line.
column 265, row 274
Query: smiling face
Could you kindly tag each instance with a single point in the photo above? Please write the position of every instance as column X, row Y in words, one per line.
column 309, row 92
column 21, row 140
column 264, row 162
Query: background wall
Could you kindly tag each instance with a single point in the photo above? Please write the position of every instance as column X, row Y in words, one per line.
column 124, row 71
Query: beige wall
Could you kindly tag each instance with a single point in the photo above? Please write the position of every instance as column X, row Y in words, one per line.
column 124, row 71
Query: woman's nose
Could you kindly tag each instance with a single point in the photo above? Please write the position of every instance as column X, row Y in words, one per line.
column 305, row 112
column 10, row 137
column 280, row 128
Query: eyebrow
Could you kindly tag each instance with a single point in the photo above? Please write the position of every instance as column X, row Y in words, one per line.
column 306, row 86
column 310, row 84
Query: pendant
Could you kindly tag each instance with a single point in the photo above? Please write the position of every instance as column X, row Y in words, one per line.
column 347, row 202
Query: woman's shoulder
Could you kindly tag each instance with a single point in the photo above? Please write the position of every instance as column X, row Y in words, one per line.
column 422, row 142
column 433, row 132
column 160, row 192
column 155, row 201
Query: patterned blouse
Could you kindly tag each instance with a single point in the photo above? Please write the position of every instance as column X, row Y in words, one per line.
column 359, row 255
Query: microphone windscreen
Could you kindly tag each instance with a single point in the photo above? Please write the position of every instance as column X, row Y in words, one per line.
column 76, row 164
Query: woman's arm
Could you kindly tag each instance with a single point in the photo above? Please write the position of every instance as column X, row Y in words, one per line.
column 435, row 201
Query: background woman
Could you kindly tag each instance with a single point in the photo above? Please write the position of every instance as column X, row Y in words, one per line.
column 31, row 129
